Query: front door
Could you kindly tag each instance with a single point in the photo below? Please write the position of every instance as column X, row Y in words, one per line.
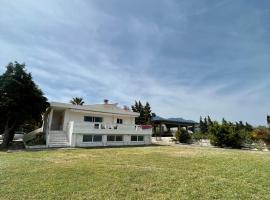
column 57, row 120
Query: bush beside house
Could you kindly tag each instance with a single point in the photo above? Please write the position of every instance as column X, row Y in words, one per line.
column 262, row 134
column 183, row 136
column 233, row 135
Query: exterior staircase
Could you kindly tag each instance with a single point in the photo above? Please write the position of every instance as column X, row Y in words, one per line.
column 58, row 139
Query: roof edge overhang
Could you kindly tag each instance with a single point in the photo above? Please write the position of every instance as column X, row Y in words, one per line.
column 85, row 109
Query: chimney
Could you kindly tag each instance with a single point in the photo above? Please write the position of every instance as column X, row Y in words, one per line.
column 126, row 108
column 106, row 101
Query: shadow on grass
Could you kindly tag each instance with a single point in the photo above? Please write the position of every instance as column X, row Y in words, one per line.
column 16, row 145
column 20, row 147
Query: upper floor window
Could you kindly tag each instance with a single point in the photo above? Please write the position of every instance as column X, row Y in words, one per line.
column 93, row 119
column 119, row 121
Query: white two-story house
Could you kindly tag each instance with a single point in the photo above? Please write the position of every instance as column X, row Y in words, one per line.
column 67, row 125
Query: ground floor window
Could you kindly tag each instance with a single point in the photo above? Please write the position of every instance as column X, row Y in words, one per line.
column 137, row 138
column 92, row 138
column 114, row 138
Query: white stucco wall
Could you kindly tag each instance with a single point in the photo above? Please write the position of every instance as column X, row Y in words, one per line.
column 107, row 118
column 83, row 128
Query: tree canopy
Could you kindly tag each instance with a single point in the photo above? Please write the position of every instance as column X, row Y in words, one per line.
column 77, row 101
column 20, row 100
column 145, row 112
column 226, row 133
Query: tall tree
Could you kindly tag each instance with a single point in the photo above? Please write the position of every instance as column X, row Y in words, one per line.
column 209, row 121
column 224, row 121
column 203, row 125
column 248, row 127
column 145, row 112
column 77, row 101
column 135, row 107
column 20, row 100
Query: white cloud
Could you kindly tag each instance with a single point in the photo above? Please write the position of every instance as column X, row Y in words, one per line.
column 186, row 59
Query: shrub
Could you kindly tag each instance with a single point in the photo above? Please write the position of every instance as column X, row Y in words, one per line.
column 200, row 135
column 262, row 133
column 226, row 135
column 183, row 136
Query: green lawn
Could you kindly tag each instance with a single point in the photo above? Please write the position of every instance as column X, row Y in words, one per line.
column 156, row 172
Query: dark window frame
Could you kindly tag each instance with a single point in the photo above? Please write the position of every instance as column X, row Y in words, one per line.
column 119, row 121
column 139, row 138
column 93, row 119
column 97, row 138
column 86, row 138
column 94, row 138
column 115, row 138
column 88, row 119
column 133, row 137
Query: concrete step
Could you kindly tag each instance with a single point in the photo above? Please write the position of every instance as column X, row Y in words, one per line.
column 58, row 142
column 62, row 137
column 58, row 138
column 58, row 135
column 58, row 145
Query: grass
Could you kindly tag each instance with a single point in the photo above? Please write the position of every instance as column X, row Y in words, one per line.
column 156, row 172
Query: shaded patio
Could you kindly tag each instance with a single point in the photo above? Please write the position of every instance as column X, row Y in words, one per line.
column 160, row 123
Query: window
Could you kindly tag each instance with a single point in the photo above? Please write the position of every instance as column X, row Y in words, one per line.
column 88, row 119
column 87, row 138
column 96, row 126
column 97, row 138
column 137, row 138
column 110, row 138
column 115, row 138
column 98, row 119
column 93, row 119
column 119, row 121
column 92, row 138
column 134, row 138
column 140, row 138
column 119, row 138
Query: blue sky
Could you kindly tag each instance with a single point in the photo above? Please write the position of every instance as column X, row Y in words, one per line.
column 187, row 58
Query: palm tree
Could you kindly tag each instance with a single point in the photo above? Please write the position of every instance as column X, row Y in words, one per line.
column 77, row 101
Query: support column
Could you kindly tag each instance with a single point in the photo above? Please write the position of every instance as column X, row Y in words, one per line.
column 104, row 140
column 154, row 130
column 160, row 129
column 50, row 115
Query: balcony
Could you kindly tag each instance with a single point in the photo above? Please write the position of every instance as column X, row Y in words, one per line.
column 105, row 128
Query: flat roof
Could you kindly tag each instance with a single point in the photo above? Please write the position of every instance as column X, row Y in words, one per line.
column 102, row 108
column 173, row 121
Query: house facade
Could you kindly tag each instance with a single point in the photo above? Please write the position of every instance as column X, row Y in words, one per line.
column 67, row 125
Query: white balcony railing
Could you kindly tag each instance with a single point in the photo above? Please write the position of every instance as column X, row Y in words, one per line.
column 85, row 126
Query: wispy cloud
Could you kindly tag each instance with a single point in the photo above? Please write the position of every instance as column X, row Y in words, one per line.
column 187, row 58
